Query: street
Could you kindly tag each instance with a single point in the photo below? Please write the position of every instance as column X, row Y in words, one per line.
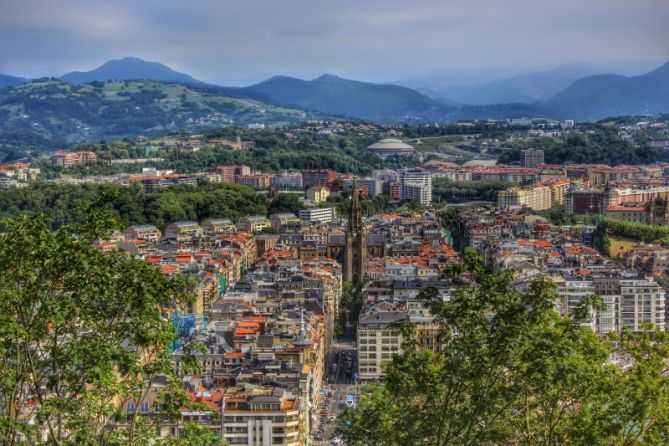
column 341, row 375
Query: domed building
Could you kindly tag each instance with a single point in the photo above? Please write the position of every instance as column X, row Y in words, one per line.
column 391, row 146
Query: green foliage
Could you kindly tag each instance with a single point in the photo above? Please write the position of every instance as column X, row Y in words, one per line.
column 285, row 203
column 133, row 205
column 557, row 216
column 80, row 327
column 444, row 189
column 603, row 145
column 511, row 370
column 638, row 231
column 349, row 309
column 58, row 111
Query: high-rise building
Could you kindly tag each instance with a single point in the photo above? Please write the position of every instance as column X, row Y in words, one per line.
column 416, row 184
column 531, row 157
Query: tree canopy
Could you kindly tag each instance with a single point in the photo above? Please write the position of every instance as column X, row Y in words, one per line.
column 511, row 370
column 81, row 328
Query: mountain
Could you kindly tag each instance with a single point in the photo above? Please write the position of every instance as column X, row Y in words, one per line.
column 49, row 113
column 334, row 95
column 524, row 88
column 10, row 81
column 597, row 97
column 130, row 68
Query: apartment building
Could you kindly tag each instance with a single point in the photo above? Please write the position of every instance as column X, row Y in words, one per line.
column 213, row 226
column 318, row 194
column 182, row 230
column 68, row 159
column 253, row 223
column 318, row 215
column 262, row 416
column 416, row 184
column 535, row 197
column 378, row 342
column 531, row 157
column 318, row 177
column 283, row 219
column 150, row 233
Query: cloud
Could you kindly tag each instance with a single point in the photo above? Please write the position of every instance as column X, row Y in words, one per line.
column 237, row 42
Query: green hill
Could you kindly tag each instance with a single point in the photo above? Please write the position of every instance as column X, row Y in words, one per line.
column 51, row 112
column 130, row 68
column 334, row 95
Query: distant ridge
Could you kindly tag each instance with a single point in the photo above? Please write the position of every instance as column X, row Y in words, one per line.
column 10, row 81
column 596, row 97
column 335, row 95
column 130, row 68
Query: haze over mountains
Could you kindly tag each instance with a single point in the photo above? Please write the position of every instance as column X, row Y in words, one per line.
column 130, row 68
column 560, row 93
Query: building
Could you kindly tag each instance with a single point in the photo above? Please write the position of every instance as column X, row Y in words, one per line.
column 318, row 215
column 655, row 212
column 150, row 233
column 534, row 197
column 68, row 159
column 229, row 174
column 390, row 147
column 182, row 230
column 378, row 342
column 394, row 191
column 584, row 201
column 416, row 184
column 283, row 219
column 213, row 226
column 255, row 180
column 374, row 187
column 262, row 416
column 253, row 223
column 318, row 194
column 287, row 180
column 531, row 157
column 317, row 177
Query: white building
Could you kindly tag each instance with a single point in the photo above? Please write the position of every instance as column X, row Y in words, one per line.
column 416, row 184
column 318, row 215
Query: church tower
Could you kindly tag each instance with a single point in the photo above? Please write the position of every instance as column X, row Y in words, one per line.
column 355, row 248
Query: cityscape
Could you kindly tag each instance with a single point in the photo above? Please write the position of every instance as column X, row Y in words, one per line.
column 475, row 257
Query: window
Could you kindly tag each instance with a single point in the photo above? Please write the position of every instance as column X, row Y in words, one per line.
column 130, row 407
column 144, row 408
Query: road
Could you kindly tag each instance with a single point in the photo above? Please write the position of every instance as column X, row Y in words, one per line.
column 342, row 367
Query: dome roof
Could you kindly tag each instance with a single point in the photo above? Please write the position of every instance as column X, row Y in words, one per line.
column 390, row 144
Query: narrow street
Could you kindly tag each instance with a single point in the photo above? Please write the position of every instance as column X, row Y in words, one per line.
column 341, row 375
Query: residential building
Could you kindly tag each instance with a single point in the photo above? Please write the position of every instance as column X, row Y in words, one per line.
column 253, row 223
column 318, row 194
column 218, row 226
column 150, row 233
column 416, row 184
column 534, row 197
column 531, row 157
column 318, row 215
column 67, row 159
column 182, row 230
column 317, row 177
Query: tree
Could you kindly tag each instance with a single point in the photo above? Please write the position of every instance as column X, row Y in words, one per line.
column 285, row 203
column 80, row 328
column 511, row 370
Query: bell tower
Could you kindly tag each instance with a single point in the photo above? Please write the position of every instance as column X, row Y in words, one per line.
column 355, row 249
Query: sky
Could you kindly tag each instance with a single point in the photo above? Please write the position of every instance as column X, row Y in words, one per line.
column 237, row 42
